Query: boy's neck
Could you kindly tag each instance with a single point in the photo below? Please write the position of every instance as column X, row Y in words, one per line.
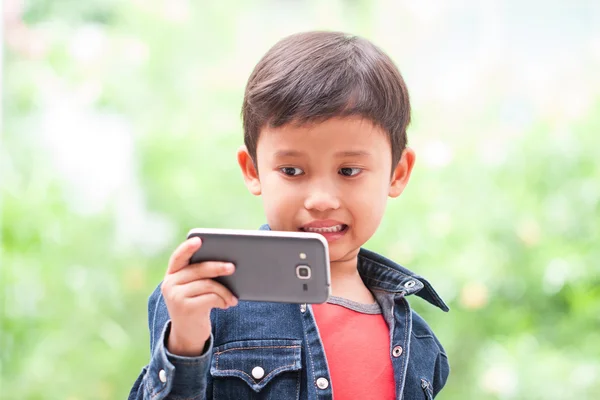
column 347, row 283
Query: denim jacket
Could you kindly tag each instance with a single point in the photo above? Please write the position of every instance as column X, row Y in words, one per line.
column 283, row 339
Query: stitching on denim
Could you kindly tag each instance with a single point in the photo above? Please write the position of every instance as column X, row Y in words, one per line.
column 405, row 361
column 426, row 285
column 310, row 353
column 199, row 397
column 430, row 337
column 380, row 281
column 298, row 386
column 389, row 269
column 382, row 291
column 258, row 347
column 423, row 336
column 148, row 383
column 274, row 372
column 251, row 348
column 154, row 321
column 434, row 293
column 177, row 362
column 160, row 391
column 153, row 394
column 398, row 272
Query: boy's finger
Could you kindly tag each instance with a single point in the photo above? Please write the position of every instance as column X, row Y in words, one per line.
column 207, row 286
column 181, row 256
column 204, row 270
column 210, row 301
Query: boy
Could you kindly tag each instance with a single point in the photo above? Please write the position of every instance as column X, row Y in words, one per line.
column 325, row 117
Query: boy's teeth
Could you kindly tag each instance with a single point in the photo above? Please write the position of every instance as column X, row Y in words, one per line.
column 331, row 229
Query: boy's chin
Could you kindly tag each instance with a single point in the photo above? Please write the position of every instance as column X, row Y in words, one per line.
column 337, row 254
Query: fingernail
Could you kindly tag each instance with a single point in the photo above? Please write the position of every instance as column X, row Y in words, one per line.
column 234, row 301
column 229, row 267
column 195, row 240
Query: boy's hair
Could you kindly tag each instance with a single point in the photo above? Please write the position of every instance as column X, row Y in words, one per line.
column 313, row 76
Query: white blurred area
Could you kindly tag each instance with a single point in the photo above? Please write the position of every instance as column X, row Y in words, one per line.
column 92, row 153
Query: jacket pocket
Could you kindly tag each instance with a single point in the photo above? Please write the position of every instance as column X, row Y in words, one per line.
column 257, row 369
column 427, row 388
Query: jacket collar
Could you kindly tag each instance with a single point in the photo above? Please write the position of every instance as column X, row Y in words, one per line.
column 381, row 273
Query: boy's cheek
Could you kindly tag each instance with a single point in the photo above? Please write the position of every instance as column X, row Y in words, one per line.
column 280, row 204
column 373, row 195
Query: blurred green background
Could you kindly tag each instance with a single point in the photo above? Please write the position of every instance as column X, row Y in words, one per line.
column 121, row 122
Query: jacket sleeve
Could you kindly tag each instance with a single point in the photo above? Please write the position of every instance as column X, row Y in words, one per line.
column 441, row 373
column 168, row 376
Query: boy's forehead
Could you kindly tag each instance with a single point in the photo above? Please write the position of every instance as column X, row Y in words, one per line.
column 340, row 132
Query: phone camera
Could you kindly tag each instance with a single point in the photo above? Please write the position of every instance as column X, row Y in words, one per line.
column 303, row 272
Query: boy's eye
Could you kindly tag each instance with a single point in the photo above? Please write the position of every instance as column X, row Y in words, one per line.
column 350, row 171
column 291, row 171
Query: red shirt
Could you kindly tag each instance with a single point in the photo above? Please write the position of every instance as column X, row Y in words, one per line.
column 357, row 347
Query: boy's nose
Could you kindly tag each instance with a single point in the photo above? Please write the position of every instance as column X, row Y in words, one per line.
column 321, row 201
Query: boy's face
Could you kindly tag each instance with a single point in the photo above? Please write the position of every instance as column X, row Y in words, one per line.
column 331, row 178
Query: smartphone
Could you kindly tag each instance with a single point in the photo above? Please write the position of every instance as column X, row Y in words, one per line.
column 273, row 266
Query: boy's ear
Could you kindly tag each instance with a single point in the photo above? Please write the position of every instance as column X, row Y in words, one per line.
column 249, row 171
column 401, row 174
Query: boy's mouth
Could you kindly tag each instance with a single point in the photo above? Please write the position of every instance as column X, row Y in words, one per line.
column 331, row 229
column 324, row 227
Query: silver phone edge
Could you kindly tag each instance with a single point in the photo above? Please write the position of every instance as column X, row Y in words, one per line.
column 280, row 234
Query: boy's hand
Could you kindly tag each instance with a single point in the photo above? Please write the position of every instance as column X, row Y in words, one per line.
column 190, row 294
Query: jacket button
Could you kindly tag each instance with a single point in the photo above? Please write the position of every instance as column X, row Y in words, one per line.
column 397, row 351
column 162, row 376
column 302, row 308
column 322, row 383
column 258, row 373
